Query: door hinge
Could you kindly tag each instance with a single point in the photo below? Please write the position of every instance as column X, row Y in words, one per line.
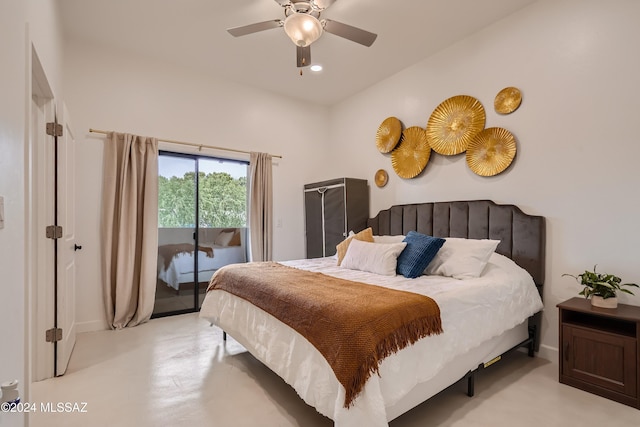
column 53, row 335
column 54, row 129
column 54, row 231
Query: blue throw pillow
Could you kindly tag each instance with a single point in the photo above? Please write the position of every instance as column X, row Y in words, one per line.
column 418, row 253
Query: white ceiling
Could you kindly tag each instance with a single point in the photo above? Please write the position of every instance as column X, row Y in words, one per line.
column 193, row 33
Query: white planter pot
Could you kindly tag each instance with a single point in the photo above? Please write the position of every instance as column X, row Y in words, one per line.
column 597, row 301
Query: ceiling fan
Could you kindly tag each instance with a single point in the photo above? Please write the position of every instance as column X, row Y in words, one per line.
column 303, row 25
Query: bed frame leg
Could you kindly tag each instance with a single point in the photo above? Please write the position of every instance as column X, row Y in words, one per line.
column 532, row 340
column 529, row 343
column 224, row 336
column 471, row 384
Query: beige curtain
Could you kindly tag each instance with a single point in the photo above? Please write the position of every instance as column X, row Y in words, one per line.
column 129, row 228
column 261, row 207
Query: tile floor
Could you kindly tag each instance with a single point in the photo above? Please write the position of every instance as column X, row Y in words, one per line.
column 176, row 371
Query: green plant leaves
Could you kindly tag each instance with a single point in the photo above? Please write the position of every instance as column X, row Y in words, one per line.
column 600, row 284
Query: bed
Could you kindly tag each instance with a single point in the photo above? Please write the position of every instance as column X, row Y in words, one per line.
column 483, row 317
column 176, row 261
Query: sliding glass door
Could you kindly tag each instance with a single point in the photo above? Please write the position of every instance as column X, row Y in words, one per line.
column 202, row 226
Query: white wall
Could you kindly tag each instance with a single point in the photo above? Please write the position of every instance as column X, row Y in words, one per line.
column 45, row 32
column 22, row 25
column 576, row 63
column 112, row 91
column 12, row 236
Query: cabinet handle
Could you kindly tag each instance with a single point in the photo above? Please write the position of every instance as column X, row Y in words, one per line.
column 566, row 351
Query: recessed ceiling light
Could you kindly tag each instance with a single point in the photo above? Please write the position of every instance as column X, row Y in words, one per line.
column 316, row 68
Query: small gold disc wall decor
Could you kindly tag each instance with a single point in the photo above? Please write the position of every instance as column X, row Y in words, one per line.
column 491, row 151
column 412, row 153
column 454, row 123
column 381, row 178
column 388, row 134
column 507, row 100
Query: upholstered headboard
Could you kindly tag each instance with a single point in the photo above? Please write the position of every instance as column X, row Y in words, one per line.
column 522, row 236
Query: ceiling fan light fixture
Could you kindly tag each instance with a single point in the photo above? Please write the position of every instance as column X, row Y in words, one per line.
column 302, row 28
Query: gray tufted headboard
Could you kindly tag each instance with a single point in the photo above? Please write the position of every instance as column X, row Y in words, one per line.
column 522, row 236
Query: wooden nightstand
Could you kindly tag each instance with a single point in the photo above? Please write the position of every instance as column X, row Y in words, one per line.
column 600, row 349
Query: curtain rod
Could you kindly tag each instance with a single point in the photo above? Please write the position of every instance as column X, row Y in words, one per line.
column 190, row 144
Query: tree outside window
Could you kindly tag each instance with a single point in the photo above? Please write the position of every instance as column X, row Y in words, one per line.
column 222, row 198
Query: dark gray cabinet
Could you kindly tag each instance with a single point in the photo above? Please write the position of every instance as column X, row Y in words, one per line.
column 332, row 209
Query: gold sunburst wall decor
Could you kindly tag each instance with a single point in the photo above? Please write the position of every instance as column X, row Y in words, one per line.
column 491, row 151
column 381, row 177
column 388, row 134
column 454, row 123
column 411, row 155
column 507, row 100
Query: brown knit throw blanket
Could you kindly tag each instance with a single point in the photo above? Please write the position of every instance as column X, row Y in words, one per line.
column 353, row 325
column 167, row 252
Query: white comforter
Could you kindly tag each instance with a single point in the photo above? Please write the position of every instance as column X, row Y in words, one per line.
column 472, row 311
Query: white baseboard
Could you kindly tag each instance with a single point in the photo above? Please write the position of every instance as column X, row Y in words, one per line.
column 549, row 353
column 91, row 326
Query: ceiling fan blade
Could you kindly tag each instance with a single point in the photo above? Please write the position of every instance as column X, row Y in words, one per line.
column 323, row 4
column 350, row 33
column 254, row 28
column 303, row 55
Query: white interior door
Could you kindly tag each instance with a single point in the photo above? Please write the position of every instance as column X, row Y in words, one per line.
column 51, row 267
column 67, row 246
column 41, row 256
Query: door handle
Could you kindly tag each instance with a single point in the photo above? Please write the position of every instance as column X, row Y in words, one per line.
column 76, row 247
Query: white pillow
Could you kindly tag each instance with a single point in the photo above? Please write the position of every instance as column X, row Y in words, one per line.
column 462, row 258
column 388, row 239
column 223, row 238
column 379, row 258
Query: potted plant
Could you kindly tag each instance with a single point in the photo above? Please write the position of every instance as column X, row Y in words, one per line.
column 601, row 287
